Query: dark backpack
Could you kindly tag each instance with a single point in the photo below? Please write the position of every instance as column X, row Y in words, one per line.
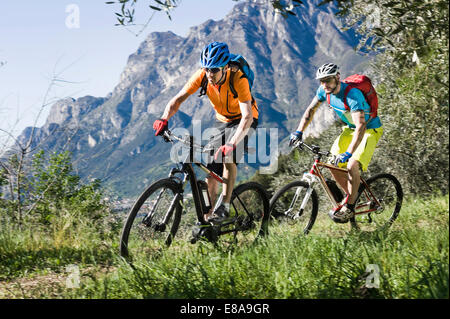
column 364, row 84
column 239, row 61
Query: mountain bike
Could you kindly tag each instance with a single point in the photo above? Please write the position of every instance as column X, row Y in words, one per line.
column 155, row 217
column 377, row 205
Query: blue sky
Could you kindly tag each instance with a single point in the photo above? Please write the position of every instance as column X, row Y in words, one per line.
column 36, row 39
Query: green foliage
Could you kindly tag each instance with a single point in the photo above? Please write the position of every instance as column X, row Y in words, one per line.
column 53, row 179
column 63, row 218
column 54, row 188
column 285, row 8
column 330, row 262
column 3, row 179
column 127, row 9
column 415, row 113
column 3, row 182
column 48, row 189
column 398, row 27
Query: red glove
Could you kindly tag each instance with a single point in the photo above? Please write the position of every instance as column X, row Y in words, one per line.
column 160, row 126
column 225, row 150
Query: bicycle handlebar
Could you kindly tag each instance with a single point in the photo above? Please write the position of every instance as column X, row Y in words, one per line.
column 312, row 148
column 188, row 141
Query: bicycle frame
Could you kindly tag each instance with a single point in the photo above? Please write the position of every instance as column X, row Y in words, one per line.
column 169, row 193
column 189, row 174
column 315, row 175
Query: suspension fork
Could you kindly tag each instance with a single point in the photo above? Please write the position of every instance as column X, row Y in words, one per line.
column 178, row 198
column 310, row 179
column 147, row 220
column 161, row 225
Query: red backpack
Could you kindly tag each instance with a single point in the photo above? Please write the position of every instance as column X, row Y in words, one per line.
column 364, row 84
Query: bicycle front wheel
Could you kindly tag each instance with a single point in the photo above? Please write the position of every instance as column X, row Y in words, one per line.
column 376, row 214
column 296, row 203
column 153, row 220
column 250, row 208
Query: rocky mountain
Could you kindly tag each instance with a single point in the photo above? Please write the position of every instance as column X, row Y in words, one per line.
column 111, row 137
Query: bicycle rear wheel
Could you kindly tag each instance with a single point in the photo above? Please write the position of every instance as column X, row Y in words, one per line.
column 250, row 208
column 153, row 220
column 388, row 191
column 286, row 205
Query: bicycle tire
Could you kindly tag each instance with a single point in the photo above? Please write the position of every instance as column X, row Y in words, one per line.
column 388, row 191
column 250, row 207
column 282, row 200
column 143, row 239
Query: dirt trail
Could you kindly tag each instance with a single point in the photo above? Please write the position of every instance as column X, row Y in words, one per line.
column 52, row 285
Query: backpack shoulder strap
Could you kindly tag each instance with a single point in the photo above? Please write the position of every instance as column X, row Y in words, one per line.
column 231, row 83
column 232, row 89
column 347, row 89
column 203, row 86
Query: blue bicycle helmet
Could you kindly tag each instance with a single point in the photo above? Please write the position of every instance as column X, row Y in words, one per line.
column 215, row 55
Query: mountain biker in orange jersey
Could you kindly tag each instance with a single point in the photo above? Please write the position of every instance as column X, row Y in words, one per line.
column 355, row 146
column 235, row 115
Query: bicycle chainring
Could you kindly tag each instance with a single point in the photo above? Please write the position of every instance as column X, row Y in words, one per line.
column 206, row 232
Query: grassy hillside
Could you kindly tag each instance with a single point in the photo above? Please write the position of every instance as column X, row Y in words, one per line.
column 331, row 262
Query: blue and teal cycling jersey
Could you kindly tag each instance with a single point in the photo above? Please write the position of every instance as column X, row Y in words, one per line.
column 355, row 101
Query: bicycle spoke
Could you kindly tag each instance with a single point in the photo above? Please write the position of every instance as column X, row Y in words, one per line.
column 295, row 204
column 250, row 210
column 379, row 206
column 153, row 220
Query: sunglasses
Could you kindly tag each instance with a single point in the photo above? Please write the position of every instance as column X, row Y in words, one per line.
column 327, row 79
column 213, row 70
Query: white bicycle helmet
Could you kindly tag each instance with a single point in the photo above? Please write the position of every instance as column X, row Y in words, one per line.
column 328, row 69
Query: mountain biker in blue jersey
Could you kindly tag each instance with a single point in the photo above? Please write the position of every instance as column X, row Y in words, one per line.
column 356, row 144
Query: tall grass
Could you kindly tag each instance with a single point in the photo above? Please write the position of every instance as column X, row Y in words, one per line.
column 331, row 262
column 38, row 249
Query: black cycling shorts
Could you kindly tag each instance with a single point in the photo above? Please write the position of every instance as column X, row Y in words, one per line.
column 223, row 132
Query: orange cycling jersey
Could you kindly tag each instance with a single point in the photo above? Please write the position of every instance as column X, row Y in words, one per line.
column 226, row 106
